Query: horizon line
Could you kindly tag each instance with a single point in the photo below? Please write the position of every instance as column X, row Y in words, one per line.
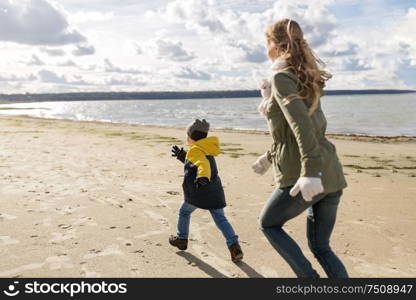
column 197, row 91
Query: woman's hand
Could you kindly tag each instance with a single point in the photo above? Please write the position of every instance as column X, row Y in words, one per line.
column 308, row 186
column 262, row 164
column 265, row 88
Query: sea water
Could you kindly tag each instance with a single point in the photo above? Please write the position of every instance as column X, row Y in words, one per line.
column 387, row 114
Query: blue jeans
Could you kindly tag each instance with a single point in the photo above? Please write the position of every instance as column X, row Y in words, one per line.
column 217, row 214
column 322, row 211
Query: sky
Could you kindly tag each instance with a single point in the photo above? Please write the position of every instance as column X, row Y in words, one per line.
column 53, row 46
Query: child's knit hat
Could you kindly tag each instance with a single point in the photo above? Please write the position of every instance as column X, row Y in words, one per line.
column 198, row 129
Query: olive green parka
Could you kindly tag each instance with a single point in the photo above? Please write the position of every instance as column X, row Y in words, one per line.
column 300, row 148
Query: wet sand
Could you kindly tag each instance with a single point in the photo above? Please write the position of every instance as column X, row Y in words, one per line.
column 100, row 200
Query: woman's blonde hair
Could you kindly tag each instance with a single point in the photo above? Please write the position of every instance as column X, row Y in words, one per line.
column 287, row 35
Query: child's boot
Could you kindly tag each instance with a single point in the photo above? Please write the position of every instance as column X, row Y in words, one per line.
column 181, row 244
column 236, row 252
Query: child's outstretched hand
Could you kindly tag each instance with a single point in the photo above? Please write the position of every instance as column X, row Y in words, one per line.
column 176, row 151
column 179, row 153
column 201, row 181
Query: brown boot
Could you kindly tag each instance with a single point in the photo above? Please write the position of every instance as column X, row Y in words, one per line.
column 236, row 252
column 181, row 244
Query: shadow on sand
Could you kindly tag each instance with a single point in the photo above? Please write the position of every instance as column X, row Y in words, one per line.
column 248, row 270
column 212, row 272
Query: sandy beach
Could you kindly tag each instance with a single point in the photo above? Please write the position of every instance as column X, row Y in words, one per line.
column 90, row 199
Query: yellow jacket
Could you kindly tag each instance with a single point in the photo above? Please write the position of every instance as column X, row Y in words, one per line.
column 197, row 155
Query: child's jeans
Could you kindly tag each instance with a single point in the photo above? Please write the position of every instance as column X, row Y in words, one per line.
column 219, row 219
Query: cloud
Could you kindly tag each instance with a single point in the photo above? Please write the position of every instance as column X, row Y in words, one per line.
column 35, row 61
column 366, row 79
column 78, row 80
column 245, row 51
column 82, row 50
column 212, row 18
column 239, row 34
column 354, row 64
column 49, row 76
column 53, row 52
column 124, row 81
column 17, row 78
column 110, row 67
column 10, row 86
column 35, row 22
column 339, row 47
column 67, row 63
column 188, row 73
column 138, row 50
column 195, row 14
column 167, row 50
column 404, row 34
column 372, row 57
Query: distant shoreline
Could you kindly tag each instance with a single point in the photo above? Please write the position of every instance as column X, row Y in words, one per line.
column 94, row 96
column 348, row 136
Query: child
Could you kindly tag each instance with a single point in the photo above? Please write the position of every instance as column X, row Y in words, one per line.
column 202, row 187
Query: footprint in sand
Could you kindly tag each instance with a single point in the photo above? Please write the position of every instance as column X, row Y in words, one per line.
column 204, row 254
column 246, row 243
column 135, row 271
column 68, row 210
column 65, row 226
column 110, row 250
column 84, row 220
column 124, row 241
column 173, row 193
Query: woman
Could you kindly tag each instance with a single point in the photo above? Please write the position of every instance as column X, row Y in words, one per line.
column 307, row 171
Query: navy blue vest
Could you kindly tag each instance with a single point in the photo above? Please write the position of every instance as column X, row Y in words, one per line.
column 210, row 196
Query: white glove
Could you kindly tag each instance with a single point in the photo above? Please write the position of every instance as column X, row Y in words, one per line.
column 308, row 186
column 265, row 88
column 261, row 165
